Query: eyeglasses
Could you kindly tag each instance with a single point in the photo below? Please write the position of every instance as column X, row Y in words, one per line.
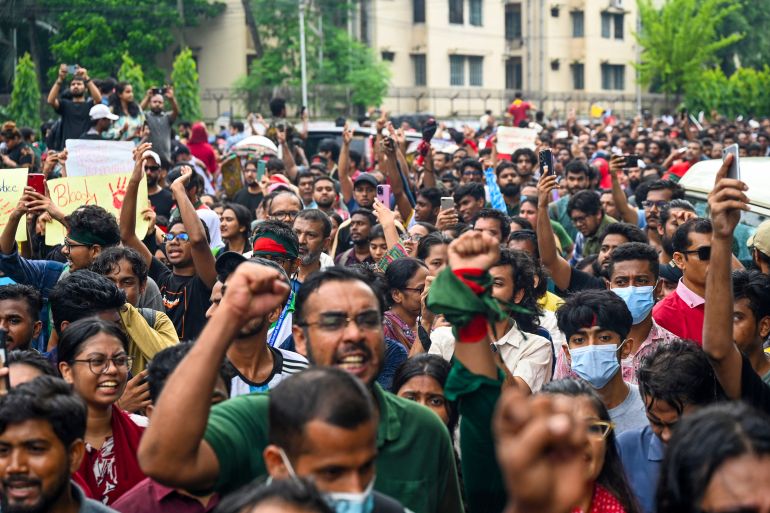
column 703, row 252
column 284, row 215
column 579, row 219
column 335, row 321
column 69, row 245
column 472, row 173
column 649, row 204
column 100, row 364
column 419, row 290
column 182, row 237
column 599, row 428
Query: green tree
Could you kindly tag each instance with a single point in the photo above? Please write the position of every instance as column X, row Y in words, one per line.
column 186, row 88
column 740, row 94
column 333, row 58
column 96, row 33
column 751, row 51
column 680, row 39
column 132, row 73
column 25, row 98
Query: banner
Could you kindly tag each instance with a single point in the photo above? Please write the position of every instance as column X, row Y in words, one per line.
column 231, row 176
column 12, row 183
column 90, row 158
column 510, row 139
column 106, row 191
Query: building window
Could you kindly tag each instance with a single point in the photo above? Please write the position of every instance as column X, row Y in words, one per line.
column 606, row 22
column 619, row 26
column 612, row 25
column 456, row 70
column 513, row 75
column 456, row 11
column 476, row 14
column 577, row 23
column 418, row 61
column 388, row 56
column 512, row 21
column 578, row 72
column 614, row 77
column 418, row 11
column 476, row 71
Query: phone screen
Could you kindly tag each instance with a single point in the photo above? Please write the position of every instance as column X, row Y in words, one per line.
column 261, row 167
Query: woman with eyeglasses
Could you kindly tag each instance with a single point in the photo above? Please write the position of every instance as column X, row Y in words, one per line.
column 607, row 490
column 93, row 358
column 235, row 223
column 405, row 278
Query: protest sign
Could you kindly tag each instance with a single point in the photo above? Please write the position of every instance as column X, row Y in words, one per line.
column 12, row 183
column 231, row 176
column 106, row 191
column 90, row 158
column 510, row 139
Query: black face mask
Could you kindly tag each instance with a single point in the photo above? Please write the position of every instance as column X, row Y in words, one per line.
column 510, row 190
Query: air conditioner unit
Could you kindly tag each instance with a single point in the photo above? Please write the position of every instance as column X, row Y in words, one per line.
column 618, row 4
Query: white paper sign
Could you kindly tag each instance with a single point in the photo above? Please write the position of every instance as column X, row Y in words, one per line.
column 89, row 158
column 510, row 139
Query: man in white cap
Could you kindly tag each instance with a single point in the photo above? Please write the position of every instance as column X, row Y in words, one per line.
column 759, row 243
column 161, row 199
column 101, row 120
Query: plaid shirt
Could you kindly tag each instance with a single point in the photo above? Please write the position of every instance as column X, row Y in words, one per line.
column 629, row 365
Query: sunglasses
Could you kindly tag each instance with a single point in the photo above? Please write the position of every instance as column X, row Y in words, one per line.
column 182, row 237
column 152, row 168
column 703, row 252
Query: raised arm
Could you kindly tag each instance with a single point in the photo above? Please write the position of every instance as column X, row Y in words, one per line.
column 429, row 174
column 389, row 157
column 92, row 89
column 346, row 182
column 627, row 213
column 53, row 94
column 286, row 156
column 560, row 270
column 388, row 222
column 202, row 258
column 8, row 237
column 180, row 457
column 174, row 105
column 726, row 202
column 128, row 211
column 146, row 100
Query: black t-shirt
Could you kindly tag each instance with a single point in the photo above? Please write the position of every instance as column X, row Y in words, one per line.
column 16, row 155
column 753, row 390
column 248, row 200
column 74, row 118
column 186, row 299
column 162, row 202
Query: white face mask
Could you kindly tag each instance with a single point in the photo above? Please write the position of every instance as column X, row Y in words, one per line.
column 341, row 502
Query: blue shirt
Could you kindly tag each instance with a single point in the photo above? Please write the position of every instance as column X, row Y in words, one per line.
column 641, row 452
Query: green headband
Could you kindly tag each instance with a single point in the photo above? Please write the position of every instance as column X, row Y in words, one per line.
column 88, row 238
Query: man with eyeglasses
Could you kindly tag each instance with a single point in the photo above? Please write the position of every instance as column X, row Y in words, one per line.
column 185, row 287
column 283, row 205
column 682, row 311
column 577, row 176
column 161, row 199
column 585, row 211
column 222, row 448
column 472, row 172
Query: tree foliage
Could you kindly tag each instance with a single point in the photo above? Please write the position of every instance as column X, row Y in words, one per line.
column 680, row 39
column 184, row 77
column 132, row 73
column 333, row 57
column 25, row 98
column 742, row 93
column 751, row 20
column 96, row 33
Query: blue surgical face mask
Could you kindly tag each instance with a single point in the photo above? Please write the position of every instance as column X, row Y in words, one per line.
column 341, row 502
column 639, row 300
column 596, row 364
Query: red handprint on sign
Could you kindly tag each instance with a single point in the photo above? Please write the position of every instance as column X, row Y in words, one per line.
column 119, row 193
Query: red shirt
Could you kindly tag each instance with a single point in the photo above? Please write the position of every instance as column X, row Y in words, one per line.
column 603, row 502
column 681, row 313
column 149, row 496
column 519, row 112
column 679, row 169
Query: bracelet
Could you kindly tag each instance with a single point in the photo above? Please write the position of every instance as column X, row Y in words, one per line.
column 86, row 81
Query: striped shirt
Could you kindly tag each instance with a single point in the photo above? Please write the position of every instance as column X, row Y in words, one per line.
column 285, row 363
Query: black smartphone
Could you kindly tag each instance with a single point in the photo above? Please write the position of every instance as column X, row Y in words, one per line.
column 546, row 159
column 630, row 161
column 4, row 357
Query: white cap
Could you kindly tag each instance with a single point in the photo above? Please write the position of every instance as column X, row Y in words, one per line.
column 149, row 154
column 101, row 111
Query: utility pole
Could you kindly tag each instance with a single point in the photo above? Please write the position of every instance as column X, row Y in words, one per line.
column 180, row 8
column 302, row 50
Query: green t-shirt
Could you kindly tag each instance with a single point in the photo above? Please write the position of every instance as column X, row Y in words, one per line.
column 415, row 461
column 558, row 212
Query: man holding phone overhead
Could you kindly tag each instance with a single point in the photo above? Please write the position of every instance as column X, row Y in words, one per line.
column 158, row 120
column 74, row 113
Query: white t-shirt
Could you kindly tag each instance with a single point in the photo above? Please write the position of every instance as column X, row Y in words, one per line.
column 212, row 222
column 285, row 364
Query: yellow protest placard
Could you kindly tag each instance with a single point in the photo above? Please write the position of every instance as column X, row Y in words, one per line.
column 106, row 191
column 12, row 183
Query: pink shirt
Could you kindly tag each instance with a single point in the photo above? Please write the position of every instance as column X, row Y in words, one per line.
column 681, row 313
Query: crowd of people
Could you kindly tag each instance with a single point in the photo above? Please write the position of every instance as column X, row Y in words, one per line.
column 444, row 328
